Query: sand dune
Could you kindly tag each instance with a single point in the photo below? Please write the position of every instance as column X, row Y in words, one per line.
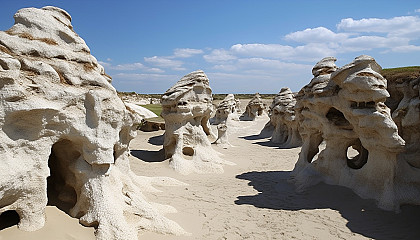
column 251, row 200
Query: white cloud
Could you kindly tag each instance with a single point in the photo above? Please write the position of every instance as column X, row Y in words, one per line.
column 186, row 52
column 164, row 62
column 144, row 76
column 417, row 10
column 127, row 67
column 397, row 26
column 262, row 50
column 219, row 55
column 316, row 35
column 406, row 48
column 370, row 42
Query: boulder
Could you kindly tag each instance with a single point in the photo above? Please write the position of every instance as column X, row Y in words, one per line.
column 345, row 109
column 227, row 110
column 186, row 108
column 254, row 109
column 65, row 133
column 282, row 117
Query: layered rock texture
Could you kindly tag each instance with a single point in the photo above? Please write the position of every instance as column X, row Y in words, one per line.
column 186, row 108
column 254, row 109
column 65, row 133
column 227, row 110
column 345, row 109
column 282, row 118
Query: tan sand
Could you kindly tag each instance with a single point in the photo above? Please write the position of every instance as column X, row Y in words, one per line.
column 251, row 200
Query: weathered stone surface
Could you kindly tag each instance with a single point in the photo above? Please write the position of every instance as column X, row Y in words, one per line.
column 186, row 108
column 345, row 109
column 65, row 133
column 254, row 109
column 150, row 125
column 227, row 110
column 282, row 118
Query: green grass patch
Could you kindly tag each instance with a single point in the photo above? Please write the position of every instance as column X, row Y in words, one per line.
column 401, row 70
column 156, row 108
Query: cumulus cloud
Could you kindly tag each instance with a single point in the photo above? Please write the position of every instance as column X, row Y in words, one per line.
column 219, row 55
column 316, row 35
column 129, row 67
column 164, row 62
column 186, row 52
column 262, row 50
column 398, row 26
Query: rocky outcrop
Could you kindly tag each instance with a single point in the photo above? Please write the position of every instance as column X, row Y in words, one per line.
column 65, row 133
column 254, row 109
column 227, row 110
column 186, row 108
column 345, row 109
column 282, row 117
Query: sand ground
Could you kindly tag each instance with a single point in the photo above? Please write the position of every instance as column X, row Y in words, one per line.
column 251, row 200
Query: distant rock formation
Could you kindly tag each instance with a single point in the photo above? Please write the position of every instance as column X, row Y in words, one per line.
column 65, row 133
column 345, row 109
column 254, row 109
column 282, row 117
column 227, row 110
column 186, row 108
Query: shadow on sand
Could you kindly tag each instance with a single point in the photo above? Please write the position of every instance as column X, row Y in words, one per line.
column 275, row 192
column 149, row 156
column 156, row 140
column 266, row 143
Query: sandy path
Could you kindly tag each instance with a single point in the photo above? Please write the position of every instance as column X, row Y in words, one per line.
column 251, row 200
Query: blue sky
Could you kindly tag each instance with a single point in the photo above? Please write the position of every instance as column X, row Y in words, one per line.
column 243, row 46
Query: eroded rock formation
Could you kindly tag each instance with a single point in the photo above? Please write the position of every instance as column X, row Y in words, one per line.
column 186, row 108
column 254, row 109
column 345, row 109
column 227, row 110
column 65, row 133
column 282, row 117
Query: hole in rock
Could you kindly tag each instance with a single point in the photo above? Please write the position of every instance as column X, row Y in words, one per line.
column 8, row 219
column 60, row 191
column 189, row 151
column 316, row 145
column 357, row 155
column 336, row 117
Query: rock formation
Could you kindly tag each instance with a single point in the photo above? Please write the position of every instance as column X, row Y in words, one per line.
column 282, row 117
column 227, row 110
column 65, row 133
column 345, row 109
column 186, row 108
column 255, row 108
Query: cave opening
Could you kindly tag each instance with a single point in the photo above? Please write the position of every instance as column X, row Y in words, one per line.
column 60, row 188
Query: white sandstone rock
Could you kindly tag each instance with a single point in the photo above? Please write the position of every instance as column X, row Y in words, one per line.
column 345, row 109
column 254, row 109
column 282, row 117
column 65, row 133
column 186, row 108
column 227, row 110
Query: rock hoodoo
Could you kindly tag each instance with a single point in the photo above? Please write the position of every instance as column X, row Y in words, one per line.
column 228, row 110
column 345, row 109
column 282, row 117
column 65, row 133
column 255, row 108
column 186, row 108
